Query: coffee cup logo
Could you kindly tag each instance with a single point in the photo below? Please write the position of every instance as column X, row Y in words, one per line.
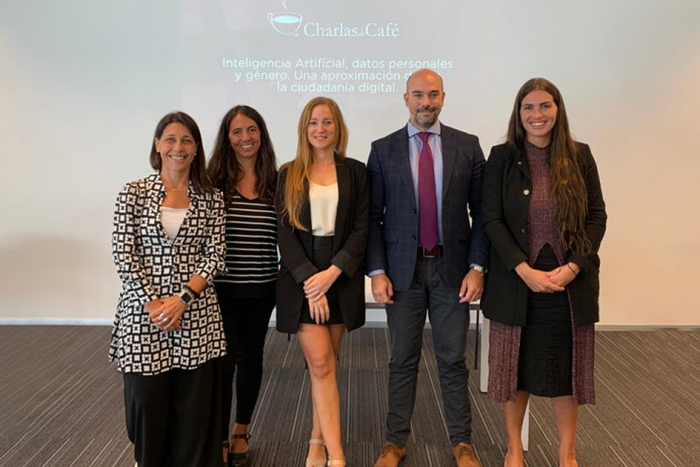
column 286, row 22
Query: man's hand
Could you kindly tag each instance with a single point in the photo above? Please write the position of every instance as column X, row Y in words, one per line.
column 382, row 290
column 472, row 287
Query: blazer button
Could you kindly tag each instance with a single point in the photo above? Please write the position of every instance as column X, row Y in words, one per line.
column 415, row 211
column 522, row 231
column 520, row 162
column 526, row 192
column 413, row 237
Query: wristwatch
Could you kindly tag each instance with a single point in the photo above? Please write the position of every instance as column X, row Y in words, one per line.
column 186, row 296
column 480, row 269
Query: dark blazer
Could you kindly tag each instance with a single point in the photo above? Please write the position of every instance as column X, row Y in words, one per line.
column 393, row 231
column 506, row 179
column 349, row 242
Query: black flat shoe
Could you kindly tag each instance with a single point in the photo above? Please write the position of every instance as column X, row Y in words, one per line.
column 239, row 459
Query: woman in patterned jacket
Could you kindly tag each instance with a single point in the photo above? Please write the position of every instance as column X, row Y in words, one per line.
column 168, row 244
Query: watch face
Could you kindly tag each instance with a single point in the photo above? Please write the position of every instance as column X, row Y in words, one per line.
column 187, row 298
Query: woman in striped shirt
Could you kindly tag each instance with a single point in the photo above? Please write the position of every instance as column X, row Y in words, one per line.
column 243, row 167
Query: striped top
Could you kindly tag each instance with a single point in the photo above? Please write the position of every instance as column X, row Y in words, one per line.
column 251, row 245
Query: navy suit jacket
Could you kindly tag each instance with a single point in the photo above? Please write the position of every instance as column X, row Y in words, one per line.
column 392, row 244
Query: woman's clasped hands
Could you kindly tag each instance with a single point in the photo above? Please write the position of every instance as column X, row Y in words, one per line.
column 547, row 281
column 166, row 313
column 315, row 288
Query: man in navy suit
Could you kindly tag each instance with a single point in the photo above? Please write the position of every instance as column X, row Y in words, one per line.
column 425, row 258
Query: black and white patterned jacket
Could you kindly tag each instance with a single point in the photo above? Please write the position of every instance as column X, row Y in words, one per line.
column 151, row 266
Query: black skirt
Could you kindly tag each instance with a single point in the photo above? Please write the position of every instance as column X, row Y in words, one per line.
column 546, row 342
column 323, row 253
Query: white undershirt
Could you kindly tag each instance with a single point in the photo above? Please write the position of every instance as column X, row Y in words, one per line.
column 324, row 207
column 172, row 218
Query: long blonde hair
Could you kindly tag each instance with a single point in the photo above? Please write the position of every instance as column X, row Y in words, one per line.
column 295, row 191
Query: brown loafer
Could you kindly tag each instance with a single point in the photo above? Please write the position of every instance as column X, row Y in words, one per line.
column 391, row 456
column 464, row 455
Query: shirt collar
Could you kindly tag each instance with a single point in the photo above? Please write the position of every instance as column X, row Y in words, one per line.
column 413, row 131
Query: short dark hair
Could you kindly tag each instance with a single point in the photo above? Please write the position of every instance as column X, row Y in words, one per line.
column 198, row 173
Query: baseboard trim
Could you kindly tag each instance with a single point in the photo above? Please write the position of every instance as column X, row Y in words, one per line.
column 55, row 322
column 374, row 320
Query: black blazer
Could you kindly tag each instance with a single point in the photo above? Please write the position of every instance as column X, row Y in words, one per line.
column 506, row 178
column 350, row 239
column 394, row 219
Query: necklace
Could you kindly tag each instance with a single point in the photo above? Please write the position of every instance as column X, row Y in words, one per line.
column 175, row 189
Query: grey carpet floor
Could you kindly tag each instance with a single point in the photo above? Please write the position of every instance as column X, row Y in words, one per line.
column 61, row 404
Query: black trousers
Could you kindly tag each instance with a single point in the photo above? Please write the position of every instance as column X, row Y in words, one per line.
column 429, row 295
column 173, row 418
column 246, row 321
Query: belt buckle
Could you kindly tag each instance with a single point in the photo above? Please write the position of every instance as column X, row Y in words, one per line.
column 426, row 252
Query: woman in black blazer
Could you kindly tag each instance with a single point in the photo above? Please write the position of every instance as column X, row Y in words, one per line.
column 323, row 208
column 545, row 217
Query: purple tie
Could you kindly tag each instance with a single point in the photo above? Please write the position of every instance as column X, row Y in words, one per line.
column 427, row 201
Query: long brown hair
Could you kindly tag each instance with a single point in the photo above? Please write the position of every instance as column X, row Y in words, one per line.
column 198, row 173
column 568, row 186
column 225, row 171
column 298, row 169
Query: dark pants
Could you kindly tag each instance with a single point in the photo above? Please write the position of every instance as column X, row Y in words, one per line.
column 246, row 323
column 449, row 320
column 173, row 418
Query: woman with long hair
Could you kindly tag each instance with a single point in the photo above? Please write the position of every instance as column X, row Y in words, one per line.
column 323, row 206
column 244, row 168
column 545, row 217
column 168, row 244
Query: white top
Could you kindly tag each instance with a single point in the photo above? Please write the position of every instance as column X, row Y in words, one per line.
column 172, row 218
column 324, row 206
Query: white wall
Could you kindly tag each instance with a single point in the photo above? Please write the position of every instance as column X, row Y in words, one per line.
column 83, row 83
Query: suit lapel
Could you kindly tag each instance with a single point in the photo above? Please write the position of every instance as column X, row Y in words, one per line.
column 401, row 151
column 449, row 154
column 343, row 176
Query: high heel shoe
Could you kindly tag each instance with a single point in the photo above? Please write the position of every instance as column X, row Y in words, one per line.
column 316, row 462
column 239, row 459
column 224, row 447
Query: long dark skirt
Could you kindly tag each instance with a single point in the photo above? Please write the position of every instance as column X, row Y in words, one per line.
column 546, row 343
column 506, row 345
